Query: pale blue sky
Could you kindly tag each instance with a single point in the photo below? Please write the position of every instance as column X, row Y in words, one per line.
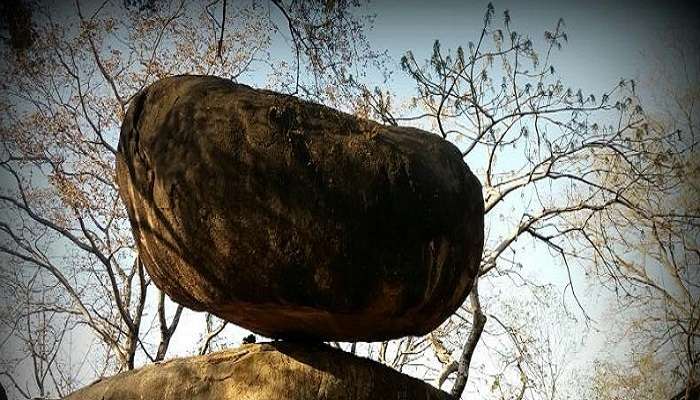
column 607, row 40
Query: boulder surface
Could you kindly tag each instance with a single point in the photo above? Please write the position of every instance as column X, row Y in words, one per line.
column 295, row 220
column 272, row 371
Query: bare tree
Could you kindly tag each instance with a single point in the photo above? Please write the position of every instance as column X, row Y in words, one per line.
column 563, row 173
column 210, row 334
column 62, row 100
column 551, row 160
column 650, row 256
column 640, row 381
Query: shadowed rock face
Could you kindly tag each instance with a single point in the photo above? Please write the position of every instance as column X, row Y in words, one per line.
column 270, row 371
column 294, row 220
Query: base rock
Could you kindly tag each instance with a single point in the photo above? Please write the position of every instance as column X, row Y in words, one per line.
column 270, row 371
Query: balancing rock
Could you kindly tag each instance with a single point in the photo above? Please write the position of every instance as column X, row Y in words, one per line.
column 294, row 220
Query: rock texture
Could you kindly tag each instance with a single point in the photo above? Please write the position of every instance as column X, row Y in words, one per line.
column 272, row 371
column 294, row 220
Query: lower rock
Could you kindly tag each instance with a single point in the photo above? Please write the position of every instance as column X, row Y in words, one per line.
column 268, row 371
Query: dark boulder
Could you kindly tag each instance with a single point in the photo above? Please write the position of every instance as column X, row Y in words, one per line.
column 295, row 220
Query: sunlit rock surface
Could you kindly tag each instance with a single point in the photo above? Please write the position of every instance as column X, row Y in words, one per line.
column 294, row 220
column 272, row 371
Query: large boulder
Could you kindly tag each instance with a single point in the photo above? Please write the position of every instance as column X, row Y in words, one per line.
column 273, row 371
column 295, row 220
